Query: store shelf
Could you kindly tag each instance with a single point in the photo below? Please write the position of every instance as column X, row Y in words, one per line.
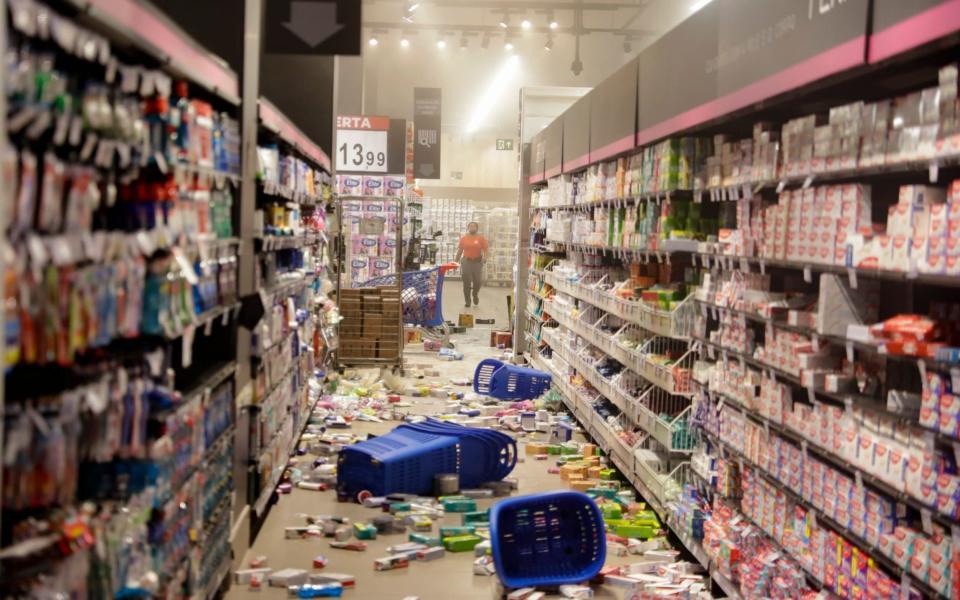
column 650, row 485
column 722, row 262
column 269, row 243
column 645, row 255
column 212, row 588
column 673, row 324
column 897, row 572
column 637, row 362
column 279, row 124
column 150, row 30
column 270, row 188
column 830, row 339
column 664, row 195
column 833, row 460
column 866, row 403
column 289, row 286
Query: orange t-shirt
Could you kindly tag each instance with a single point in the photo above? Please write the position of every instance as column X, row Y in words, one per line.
column 473, row 246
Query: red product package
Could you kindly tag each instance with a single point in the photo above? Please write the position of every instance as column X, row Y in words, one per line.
column 916, row 327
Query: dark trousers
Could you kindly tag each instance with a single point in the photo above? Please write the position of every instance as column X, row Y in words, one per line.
column 472, row 271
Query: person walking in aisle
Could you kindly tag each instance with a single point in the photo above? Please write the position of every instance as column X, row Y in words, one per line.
column 473, row 249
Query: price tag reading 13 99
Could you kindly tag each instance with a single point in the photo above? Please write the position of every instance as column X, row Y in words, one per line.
column 362, row 144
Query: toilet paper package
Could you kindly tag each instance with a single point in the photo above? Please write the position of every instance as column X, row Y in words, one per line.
column 373, row 185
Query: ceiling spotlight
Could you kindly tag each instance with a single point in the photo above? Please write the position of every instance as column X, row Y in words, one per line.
column 374, row 41
column 627, row 47
column 526, row 24
column 412, row 6
column 554, row 24
column 441, row 44
column 505, row 20
column 404, row 43
column 549, row 45
column 408, row 18
column 508, row 46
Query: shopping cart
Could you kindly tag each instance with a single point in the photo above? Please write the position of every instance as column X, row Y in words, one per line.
column 421, row 299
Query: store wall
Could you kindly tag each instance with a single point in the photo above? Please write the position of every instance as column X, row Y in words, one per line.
column 476, row 160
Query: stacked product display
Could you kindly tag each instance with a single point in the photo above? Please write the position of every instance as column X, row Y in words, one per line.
column 445, row 222
column 761, row 333
column 372, row 237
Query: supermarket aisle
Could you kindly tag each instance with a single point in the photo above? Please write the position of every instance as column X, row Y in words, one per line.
column 493, row 303
column 444, row 579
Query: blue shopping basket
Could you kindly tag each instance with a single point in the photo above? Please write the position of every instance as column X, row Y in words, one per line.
column 486, row 455
column 547, row 539
column 421, row 295
column 403, row 461
column 509, row 382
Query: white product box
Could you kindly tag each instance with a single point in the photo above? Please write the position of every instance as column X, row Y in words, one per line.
column 900, row 253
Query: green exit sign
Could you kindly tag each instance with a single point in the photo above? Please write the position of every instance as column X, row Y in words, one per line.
column 504, row 144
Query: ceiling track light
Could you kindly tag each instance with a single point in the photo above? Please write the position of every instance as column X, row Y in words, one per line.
column 554, row 24
column 441, row 43
column 508, row 46
column 526, row 24
column 404, row 43
column 505, row 20
column 412, row 6
column 549, row 45
column 374, row 42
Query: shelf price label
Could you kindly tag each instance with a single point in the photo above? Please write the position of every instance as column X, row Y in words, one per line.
column 362, row 144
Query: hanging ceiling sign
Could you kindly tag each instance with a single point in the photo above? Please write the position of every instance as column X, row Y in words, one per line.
column 321, row 27
column 362, row 144
column 426, row 139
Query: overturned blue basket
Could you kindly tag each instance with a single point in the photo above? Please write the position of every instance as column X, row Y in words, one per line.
column 509, row 382
column 407, row 459
column 487, row 455
column 547, row 539
column 403, row 461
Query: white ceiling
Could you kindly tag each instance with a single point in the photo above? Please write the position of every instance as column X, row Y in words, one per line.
column 465, row 75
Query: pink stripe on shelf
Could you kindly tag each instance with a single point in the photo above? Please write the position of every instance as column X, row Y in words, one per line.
column 576, row 163
column 612, row 149
column 274, row 119
column 838, row 58
column 535, row 179
column 919, row 29
column 552, row 172
column 182, row 52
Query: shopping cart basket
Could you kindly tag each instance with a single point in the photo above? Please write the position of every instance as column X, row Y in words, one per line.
column 547, row 539
column 509, row 382
column 421, row 298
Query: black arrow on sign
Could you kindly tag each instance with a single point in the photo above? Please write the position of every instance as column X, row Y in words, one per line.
column 313, row 22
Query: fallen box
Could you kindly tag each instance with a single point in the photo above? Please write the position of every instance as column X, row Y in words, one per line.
column 461, row 543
